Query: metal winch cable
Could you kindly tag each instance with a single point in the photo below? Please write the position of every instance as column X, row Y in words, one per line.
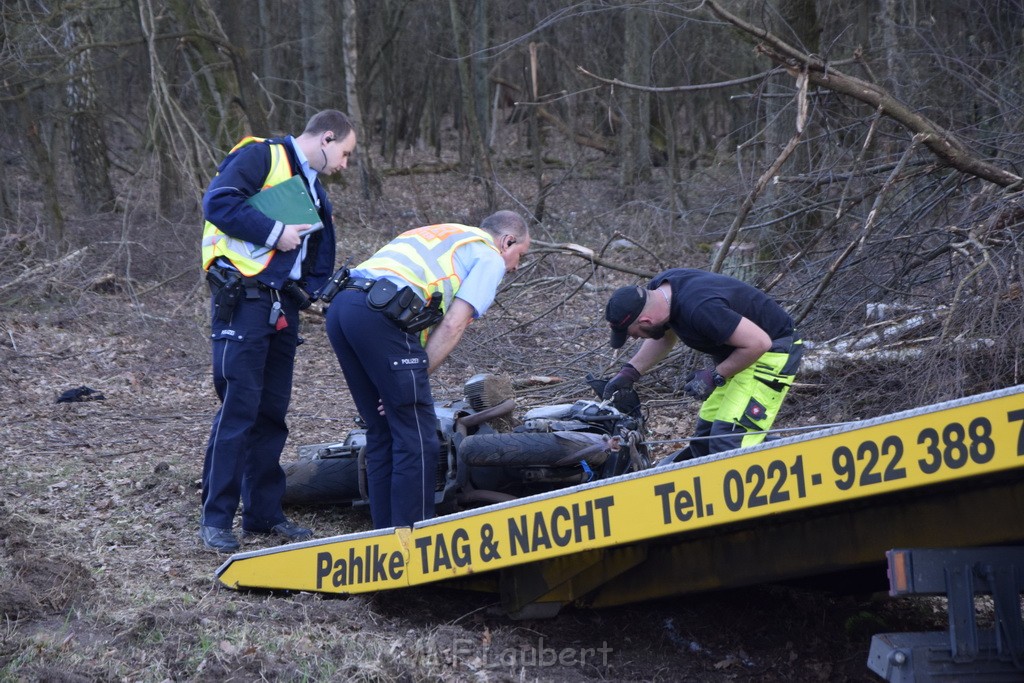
column 779, row 430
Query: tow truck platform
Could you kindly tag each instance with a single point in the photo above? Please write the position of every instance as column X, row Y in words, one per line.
column 818, row 504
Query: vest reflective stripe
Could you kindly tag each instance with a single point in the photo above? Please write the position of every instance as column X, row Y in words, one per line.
column 249, row 258
column 425, row 257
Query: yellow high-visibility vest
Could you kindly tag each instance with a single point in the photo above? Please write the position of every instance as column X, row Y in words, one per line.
column 425, row 258
column 247, row 257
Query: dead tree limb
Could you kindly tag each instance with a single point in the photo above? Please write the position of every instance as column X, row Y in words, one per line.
column 49, row 268
column 865, row 232
column 586, row 253
column 615, row 82
column 943, row 143
column 593, row 141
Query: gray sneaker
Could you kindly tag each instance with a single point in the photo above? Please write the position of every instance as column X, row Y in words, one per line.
column 286, row 530
column 218, row 540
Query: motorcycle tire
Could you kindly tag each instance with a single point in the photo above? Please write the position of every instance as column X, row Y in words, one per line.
column 524, row 449
column 316, row 481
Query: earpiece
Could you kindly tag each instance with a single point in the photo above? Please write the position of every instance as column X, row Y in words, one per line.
column 329, row 139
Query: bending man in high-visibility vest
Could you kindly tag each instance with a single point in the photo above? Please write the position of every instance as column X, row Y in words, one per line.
column 261, row 272
column 376, row 326
column 750, row 338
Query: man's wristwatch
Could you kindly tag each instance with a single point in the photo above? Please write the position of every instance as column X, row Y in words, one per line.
column 717, row 379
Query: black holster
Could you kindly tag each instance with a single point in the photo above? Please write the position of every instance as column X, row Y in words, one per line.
column 226, row 287
column 333, row 286
column 428, row 315
column 404, row 306
column 294, row 291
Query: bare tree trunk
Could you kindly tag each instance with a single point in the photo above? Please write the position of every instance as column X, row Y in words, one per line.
column 384, row 68
column 371, row 181
column 236, row 19
column 537, row 140
column 273, row 65
column 87, row 142
column 481, row 161
column 350, row 51
column 478, row 43
column 317, row 38
column 432, row 120
column 672, row 157
column 799, row 21
column 890, row 46
column 6, row 211
column 169, row 178
column 634, row 138
column 173, row 129
column 42, row 159
column 215, row 84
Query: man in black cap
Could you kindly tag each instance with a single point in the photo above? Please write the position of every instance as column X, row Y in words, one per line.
column 750, row 338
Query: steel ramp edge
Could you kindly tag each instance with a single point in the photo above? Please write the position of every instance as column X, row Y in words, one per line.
column 945, row 443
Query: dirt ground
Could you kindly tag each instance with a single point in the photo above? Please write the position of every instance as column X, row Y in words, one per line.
column 103, row 577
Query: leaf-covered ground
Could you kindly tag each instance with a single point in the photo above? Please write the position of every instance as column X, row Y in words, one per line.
column 101, row 574
column 104, row 578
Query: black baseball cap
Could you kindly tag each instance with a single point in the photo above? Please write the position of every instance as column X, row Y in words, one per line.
column 623, row 308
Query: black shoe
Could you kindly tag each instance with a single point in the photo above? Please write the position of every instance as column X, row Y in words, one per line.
column 220, row 540
column 287, row 530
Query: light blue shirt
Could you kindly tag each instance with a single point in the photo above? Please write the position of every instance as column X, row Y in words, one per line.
column 480, row 270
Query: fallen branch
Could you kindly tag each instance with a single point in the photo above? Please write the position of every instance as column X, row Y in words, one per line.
column 889, row 340
column 884, row 331
column 819, row 359
column 594, row 141
column 535, row 380
column 47, row 268
column 586, row 253
column 420, row 169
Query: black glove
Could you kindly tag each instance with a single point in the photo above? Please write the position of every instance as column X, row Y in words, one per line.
column 700, row 384
column 627, row 376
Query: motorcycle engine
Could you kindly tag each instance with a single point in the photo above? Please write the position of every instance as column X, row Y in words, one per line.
column 578, row 416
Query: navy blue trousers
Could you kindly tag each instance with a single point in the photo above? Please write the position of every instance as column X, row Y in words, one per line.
column 382, row 363
column 252, row 373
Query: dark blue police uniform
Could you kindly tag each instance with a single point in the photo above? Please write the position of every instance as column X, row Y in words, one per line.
column 381, row 361
column 254, row 353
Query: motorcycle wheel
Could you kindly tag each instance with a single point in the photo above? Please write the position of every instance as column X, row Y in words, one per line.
column 524, row 449
column 316, row 481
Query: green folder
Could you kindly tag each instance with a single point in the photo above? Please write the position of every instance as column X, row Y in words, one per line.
column 288, row 202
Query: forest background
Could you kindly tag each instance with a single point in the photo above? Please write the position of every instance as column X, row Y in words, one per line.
column 860, row 161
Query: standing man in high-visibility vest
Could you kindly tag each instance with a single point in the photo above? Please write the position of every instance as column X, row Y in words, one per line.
column 261, row 273
column 399, row 315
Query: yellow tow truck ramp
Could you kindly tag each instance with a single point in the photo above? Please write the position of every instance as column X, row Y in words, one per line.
column 946, row 475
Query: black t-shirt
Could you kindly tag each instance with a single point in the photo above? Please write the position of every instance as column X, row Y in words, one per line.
column 707, row 307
